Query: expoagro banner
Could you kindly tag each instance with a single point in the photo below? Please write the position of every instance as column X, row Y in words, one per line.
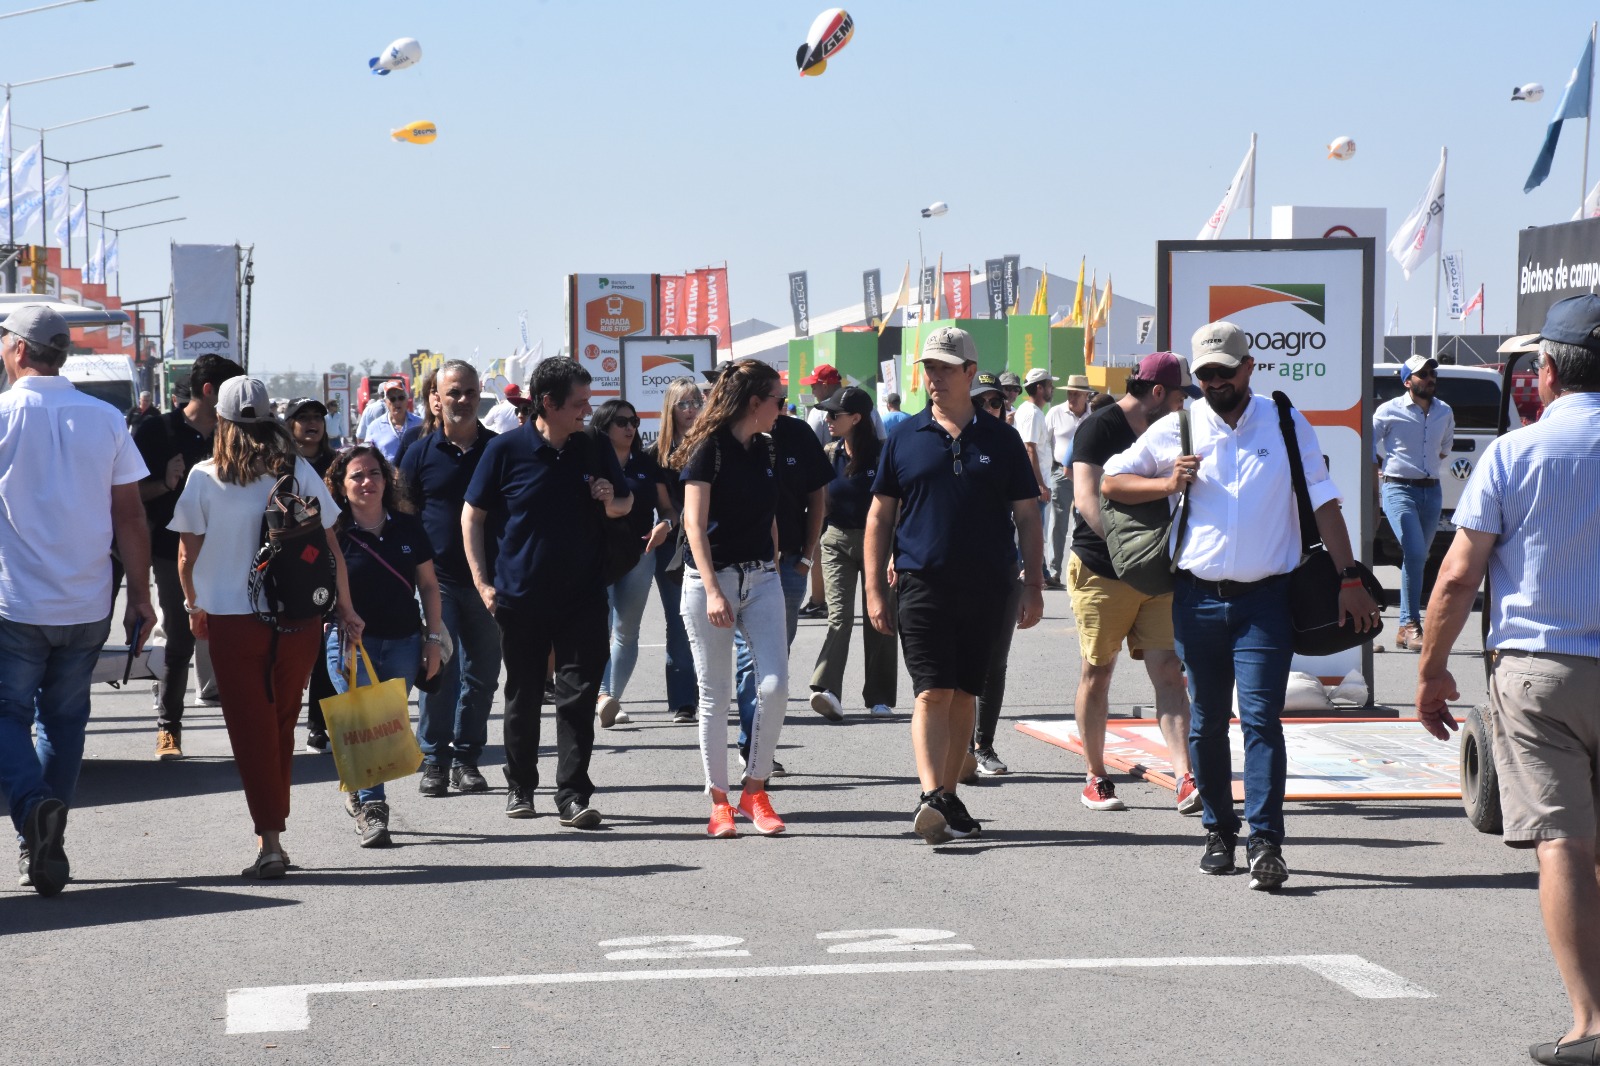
column 1553, row 263
column 958, row 294
column 601, row 310
column 205, row 301
column 650, row 364
column 1307, row 307
column 872, row 297
column 669, row 298
column 799, row 304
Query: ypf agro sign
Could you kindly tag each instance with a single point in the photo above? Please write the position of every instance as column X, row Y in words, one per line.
column 651, row 364
column 601, row 310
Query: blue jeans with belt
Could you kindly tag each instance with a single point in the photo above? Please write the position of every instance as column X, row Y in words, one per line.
column 1413, row 514
column 795, row 586
column 1246, row 640
column 400, row 657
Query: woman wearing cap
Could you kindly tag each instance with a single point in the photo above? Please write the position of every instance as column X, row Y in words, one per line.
column 854, row 454
column 306, row 419
column 218, row 520
column 615, row 425
column 728, row 462
column 681, row 406
column 389, row 558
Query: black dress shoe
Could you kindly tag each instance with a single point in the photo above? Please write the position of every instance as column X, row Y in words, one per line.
column 1585, row 1052
column 519, row 801
column 579, row 815
column 435, row 780
column 466, row 778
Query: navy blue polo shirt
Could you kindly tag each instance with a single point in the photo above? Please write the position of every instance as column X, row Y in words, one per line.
column 642, row 474
column 802, row 469
column 744, row 497
column 385, row 602
column 436, row 474
column 956, row 525
column 850, row 495
column 551, row 541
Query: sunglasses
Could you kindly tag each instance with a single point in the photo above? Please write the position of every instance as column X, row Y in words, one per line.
column 689, row 405
column 782, row 398
column 995, row 403
column 1216, row 373
column 634, row 421
column 955, row 454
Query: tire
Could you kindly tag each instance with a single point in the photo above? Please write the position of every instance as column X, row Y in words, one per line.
column 1480, row 785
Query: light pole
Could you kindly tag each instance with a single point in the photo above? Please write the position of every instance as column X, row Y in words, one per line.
column 44, row 196
column 142, row 225
column 45, row 7
column 69, row 164
column 112, row 185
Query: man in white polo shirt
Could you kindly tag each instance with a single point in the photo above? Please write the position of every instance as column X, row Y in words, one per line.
column 1063, row 420
column 1030, row 425
column 69, row 476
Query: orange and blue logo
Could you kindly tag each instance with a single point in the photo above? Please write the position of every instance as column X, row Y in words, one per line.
column 1229, row 300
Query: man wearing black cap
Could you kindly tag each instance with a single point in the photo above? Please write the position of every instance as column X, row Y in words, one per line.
column 1528, row 517
column 69, row 475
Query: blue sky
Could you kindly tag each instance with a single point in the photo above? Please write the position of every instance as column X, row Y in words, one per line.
column 632, row 136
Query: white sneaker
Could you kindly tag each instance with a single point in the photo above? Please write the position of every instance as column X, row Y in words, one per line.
column 828, row 705
column 607, row 708
column 882, row 710
column 621, row 718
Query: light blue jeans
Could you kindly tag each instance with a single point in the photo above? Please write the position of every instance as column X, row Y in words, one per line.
column 44, row 680
column 1413, row 514
column 756, row 599
column 627, row 597
column 392, row 659
column 795, row 586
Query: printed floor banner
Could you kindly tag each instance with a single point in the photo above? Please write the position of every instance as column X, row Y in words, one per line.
column 650, row 364
column 205, row 301
column 601, row 310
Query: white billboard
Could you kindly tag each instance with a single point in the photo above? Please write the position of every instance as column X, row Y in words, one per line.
column 1294, row 222
column 205, row 301
column 601, row 310
column 650, row 364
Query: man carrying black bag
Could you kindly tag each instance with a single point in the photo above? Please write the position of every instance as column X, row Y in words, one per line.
column 1231, row 606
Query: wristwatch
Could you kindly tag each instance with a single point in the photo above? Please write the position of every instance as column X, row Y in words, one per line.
column 1351, row 572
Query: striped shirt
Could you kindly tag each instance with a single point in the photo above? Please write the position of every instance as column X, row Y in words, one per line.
column 1536, row 490
column 1411, row 442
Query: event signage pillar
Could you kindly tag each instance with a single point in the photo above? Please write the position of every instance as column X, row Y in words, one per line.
column 1011, row 281
column 601, row 310
column 994, row 271
column 799, row 304
column 872, row 297
column 205, row 301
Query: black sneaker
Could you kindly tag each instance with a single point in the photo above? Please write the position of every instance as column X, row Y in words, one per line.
column 685, row 716
column 435, row 780
column 958, row 822
column 466, row 778
column 42, row 834
column 930, row 823
column 579, row 815
column 813, row 610
column 1218, row 858
column 989, row 764
column 1267, row 871
column 519, row 801
column 373, row 824
column 777, row 767
column 317, row 742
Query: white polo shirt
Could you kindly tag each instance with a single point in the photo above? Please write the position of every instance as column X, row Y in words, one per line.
column 61, row 453
column 1063, row 426
column 1244, row 524
column 1030, row 426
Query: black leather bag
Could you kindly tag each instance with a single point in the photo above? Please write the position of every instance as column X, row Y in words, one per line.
column 1314, row 585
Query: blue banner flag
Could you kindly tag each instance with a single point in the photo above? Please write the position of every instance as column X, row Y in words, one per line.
column 1574, row 104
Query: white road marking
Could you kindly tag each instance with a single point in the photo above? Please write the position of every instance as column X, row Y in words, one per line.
column 287, row 1008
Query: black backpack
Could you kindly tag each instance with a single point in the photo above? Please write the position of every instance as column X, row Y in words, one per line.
column 293, row 578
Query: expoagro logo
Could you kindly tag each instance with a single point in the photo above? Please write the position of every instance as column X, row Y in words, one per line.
column 1229, row 301
column 195, row 329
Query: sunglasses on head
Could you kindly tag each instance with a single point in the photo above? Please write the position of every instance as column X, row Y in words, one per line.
column 1216, row 373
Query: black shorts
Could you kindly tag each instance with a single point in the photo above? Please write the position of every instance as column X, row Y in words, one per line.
column 948, row 631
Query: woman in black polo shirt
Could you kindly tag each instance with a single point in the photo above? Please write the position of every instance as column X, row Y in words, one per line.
column 390, row 561
column 728, row 464
column 854, row 454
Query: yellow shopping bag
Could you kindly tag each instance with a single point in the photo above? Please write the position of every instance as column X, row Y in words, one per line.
column 370, row 727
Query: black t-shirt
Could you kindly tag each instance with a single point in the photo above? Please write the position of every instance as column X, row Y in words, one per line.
column 1100, row 436
column 387, row 605
column 850, row 495
column 158, row 440
column 744, row 496
column 803, row 468
column 642, row 475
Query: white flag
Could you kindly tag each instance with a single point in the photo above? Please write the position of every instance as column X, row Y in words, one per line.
column 1454, row 282
column 70, row 228
column 1239, row 194
column 24, row 172
column 94, row 273
column 1591, row 204
column 110, row 263
column 5, row 135
column 55, row 201
column 1473, row 304
column 1418, row 236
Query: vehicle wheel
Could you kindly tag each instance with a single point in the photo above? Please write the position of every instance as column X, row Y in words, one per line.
column 1480, row 785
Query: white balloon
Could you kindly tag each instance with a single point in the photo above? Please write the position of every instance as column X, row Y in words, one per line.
column 403, row 53
column 1342, row 148
column 938, row 207
column 1532, row 92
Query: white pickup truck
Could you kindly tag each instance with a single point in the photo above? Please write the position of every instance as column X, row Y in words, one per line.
column 107, row 377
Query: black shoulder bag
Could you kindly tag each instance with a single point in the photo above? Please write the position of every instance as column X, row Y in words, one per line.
column 1314, row 584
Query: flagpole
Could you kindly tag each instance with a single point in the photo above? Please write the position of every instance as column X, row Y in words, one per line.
column 1583, row 190
column 1438, row 257
column 1252, row 186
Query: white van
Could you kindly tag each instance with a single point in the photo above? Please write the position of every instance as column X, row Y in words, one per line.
column 111, row 378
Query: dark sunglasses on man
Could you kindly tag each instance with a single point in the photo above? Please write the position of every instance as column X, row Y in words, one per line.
column 1216, row 373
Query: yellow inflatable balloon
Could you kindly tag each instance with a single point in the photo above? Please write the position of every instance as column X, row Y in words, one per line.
column 416, row 133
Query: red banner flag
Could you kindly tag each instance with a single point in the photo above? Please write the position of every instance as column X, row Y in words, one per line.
column 694, row 287
column 715, row 320
column 958, row 294
column 670, row 301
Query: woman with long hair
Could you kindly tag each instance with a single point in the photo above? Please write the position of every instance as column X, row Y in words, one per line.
column 389, row 558
column 679, row 408
column 615, row 425
column 306, row 420
column 728, row 465
column 854, row 454
column 262, row 667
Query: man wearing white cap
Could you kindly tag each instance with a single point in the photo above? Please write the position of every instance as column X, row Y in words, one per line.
column 1411, row 435
column 1063, row 420
column 1030, row 426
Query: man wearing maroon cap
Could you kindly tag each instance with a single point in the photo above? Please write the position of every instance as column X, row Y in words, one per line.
column 1110, row 611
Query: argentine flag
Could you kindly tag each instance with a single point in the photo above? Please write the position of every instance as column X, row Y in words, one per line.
column 1574, row 104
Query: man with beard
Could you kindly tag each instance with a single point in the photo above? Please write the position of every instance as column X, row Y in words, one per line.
column 1230, row 611
column 1411, row 435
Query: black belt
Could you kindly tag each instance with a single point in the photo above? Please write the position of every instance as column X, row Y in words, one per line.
column 1227, row 590
column 1415, row 482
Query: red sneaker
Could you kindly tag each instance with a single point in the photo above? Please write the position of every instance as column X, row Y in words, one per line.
column 721, row 821
column 758, row 808
column 1188, row 795
column 1101, row 795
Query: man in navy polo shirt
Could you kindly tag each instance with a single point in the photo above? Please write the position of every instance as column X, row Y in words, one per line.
column 453, row 719
column 955, row 495
column 548, row 486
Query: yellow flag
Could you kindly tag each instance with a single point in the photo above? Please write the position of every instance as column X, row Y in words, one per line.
column 1041, row 297
column 1102, row 312
column 899, row 300
column 1077, row 301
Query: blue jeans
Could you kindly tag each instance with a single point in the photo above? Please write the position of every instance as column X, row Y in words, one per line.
column 392, row 659
column 683, row 688
column 453, row 721
column 1246, row 640
column 1413, row 514
column 795, row 587
column 44, row 676
column 627, row 597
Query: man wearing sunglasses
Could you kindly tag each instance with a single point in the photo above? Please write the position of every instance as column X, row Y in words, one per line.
column 1230, row 607
column 1411, row 436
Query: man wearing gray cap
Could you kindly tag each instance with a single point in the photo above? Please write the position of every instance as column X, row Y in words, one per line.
column 1230, row 605
column 1527, row 518
column 69, row 475
column 1411, row 435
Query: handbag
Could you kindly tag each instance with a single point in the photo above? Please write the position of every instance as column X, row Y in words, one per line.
column 370, row 727
column 1139, row 535
column 1314, row 585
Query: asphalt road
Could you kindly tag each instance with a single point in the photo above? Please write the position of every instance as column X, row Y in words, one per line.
column 1152, row 960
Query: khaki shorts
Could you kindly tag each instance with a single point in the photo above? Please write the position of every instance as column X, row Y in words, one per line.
column 1111, row 611
column 1546, row 745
